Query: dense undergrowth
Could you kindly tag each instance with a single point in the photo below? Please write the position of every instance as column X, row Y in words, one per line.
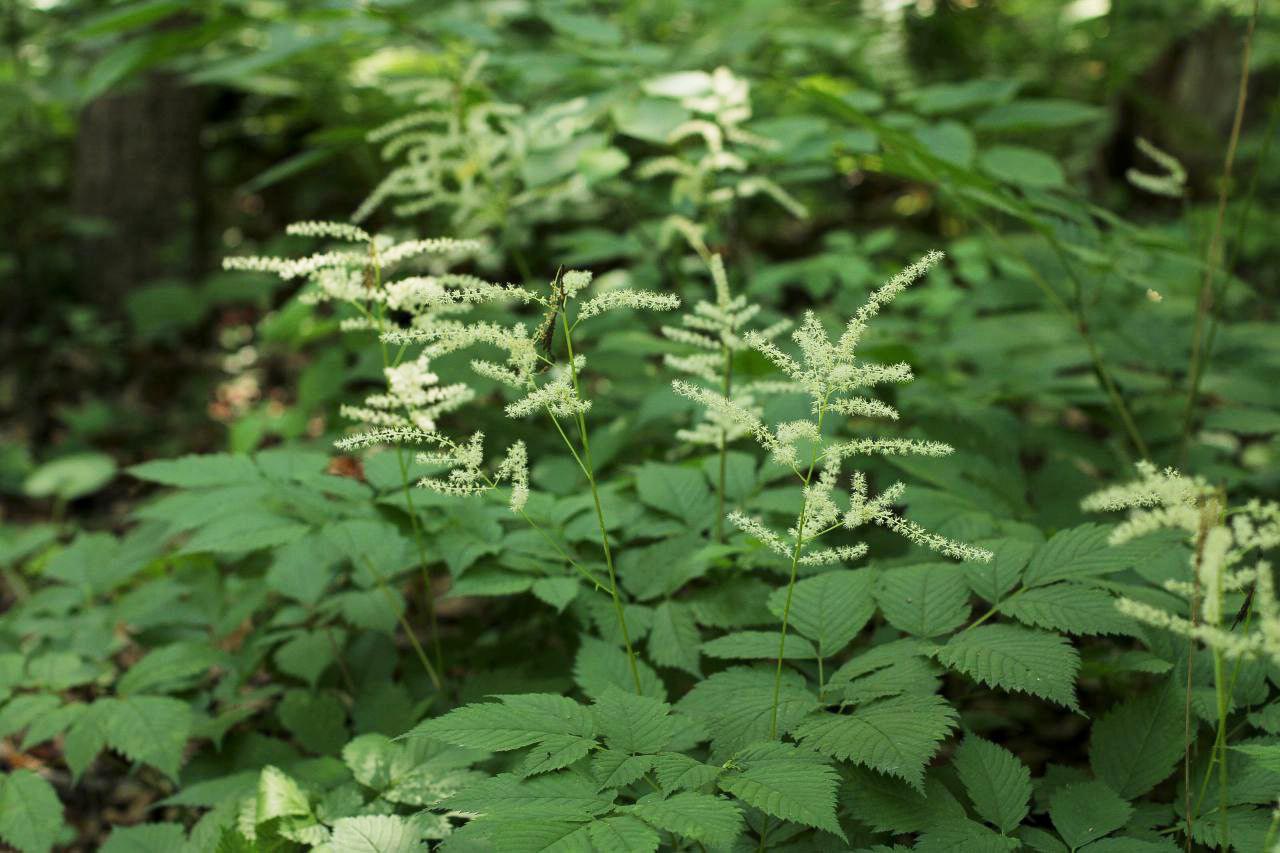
column 633, row 487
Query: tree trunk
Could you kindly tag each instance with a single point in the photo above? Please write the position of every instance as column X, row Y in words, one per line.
column 136, row 188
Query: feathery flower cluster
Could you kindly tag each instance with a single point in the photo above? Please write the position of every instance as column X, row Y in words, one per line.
column 1173, row 180
column 414, row 398
column 721, row 103
column 716, row 329
column 1222, row 542
column 830, row 372
column 454, row 154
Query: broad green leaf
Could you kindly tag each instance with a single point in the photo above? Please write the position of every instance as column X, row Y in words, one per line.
column 30, row 812
column 830, row 609
column 995, row 579
column 1076, row 553
column 1013, row 658
column 1024, row 167
column 169, row 668
column 614, row 768
column 316, row 720
column 633, row 723
column 280, row 796
column 600, row 665
column 674, row 639
column 623, row 834
column 375, row 834
column 1068, row 607
column 70, row 477
column 1137, row 744
column 699, row 817
column 309, row 653
column 678, row 491
column 555, row 752
column 146, row 838
column 1037, row 114
column 736, row 705
column 1086, row 811
column 150, row 729
column 515, row 722
column 997, row 782
column 675, row 770
column 1265, row 754
column 925, row 600
column 896, row 736
column 557, row 592
column 758, row 645
column 788, row 782
column 199, row 472
column 562, row 794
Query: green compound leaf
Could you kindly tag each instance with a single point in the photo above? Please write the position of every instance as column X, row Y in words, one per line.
column 788, row 782
column 829, row 609
column 698, row 817
column 896, row 736
column 1013, row 658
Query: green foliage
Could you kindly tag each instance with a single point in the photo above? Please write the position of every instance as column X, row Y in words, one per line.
column 618, row 630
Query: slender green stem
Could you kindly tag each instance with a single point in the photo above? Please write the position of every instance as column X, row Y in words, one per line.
column 1220, row 685
column 589, row 469
column 429, row 599
column 724, row 443
column 1205, row 304
column 432, row 673
column 791, row 582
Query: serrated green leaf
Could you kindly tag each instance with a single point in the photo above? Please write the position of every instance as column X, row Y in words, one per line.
column 1014, row 658
column 676, row 771
column 758, row 645
column 1073, row 554
column 146, row 838
column 30, row 812
column 1068, row 607
column 1086, row 811
column 998, row 784
column 674, row 639
column 600, row 665
column 623, row 834
column 150, row 729
column 829, row 609
column 614, row 768
column 633, row 723
column 788, row 782
column 700, row 817
column 375, row 834
column 678, row 491
column 555, row 752
column 1137, row 744
column 561, row 794
column 736, row 705
column 995, row 579
column 169, row 668
column 514, row 722
column 925, row 600
column 557, row 592
column 896, row 736
column 199, row 472
column 279, row 796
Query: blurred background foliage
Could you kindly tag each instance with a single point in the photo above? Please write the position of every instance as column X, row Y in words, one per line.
column 148, row 139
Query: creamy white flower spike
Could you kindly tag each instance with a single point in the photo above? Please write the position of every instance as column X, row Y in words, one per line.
column 830, row 373
column 1220, row 540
